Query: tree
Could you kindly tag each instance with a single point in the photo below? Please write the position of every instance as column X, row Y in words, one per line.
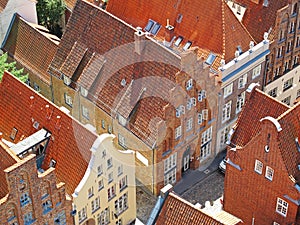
column 50, row 13
column 11, row 67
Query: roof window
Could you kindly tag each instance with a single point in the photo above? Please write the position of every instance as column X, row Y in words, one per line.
column 149, row 25
column 179, row 18
column 210, row 59
column 187, row 45
column 178, row 41
column 152, row 27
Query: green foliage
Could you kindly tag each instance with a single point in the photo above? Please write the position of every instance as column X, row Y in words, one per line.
column 11, row 67
column 49, row 14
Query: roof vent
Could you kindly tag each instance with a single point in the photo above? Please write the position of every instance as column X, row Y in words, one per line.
column 139, row 31
column 123, row 82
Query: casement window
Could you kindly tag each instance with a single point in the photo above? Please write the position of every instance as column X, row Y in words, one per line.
column 100, row 185
column 200, row 118
column 82, row 215
column 121, row 204
column 111, row 192
column 228, row 90
column 242, row 81
column 103, row 217
column 288, row 84
column 110, row 177
column 170, row 177
column 109, row 162
column 25, row 199
column 28, row 218
column 282, row 207
column 269, row 173
column 95, row 204
column 191, row 102
column 180, row 110
column 201, row 95
column 287, row 100
column 47, row 206
column 120, row 170
column 119, row 222
column 170, row 162
column 90, row 192
column 224, row 135
column 103, row 124
column 205, row 149
column 258, row 166
column 123, row 183
column 122, row 141
column 99, row 170
column 273, row 92
column 189, row 84
column 189, row 124
column 226, row 112
column 68, row 100
column 256, row 71
column 206, row 136
column 85, row 112
column 279, row 52
column 240, row 102
column 205, row 114
column 178, row 132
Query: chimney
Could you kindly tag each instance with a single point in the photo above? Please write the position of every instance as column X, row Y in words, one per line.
column 139, row 40
column 255, row 1
column 169, row 32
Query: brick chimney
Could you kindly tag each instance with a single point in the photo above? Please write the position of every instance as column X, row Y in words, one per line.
column 169, row 32
column 139, row 40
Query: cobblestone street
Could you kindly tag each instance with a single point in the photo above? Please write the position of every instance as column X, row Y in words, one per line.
column 145, row 204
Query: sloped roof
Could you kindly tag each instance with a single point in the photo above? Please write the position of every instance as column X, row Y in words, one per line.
column 32, row 46
column 177, row 211
column 210, row 25
column 258, row 106
column 258, row 18
column 70, row 141
column 7, row 159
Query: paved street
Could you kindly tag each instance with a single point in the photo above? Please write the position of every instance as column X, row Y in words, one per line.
column 145, row 203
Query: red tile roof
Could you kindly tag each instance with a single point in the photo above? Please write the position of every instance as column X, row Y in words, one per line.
column 177, row 211
column 259, row 19
column 70, row 142
column 213, row 28
column 258, row 106
column 32, row 46
column 7, row 159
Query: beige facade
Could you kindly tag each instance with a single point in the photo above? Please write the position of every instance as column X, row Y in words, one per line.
column 106, row 193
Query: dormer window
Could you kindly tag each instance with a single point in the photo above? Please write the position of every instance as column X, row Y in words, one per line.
column 83, row 92
column 67, row 80
column 122, row 120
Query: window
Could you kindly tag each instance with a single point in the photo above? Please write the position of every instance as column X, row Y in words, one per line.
column 201, row 95
column 170, row 177
column 155, row 29
column 180, row 110
column 68, row 100
column 90, row 192
column 269, row 173
column 224, row 135
column 110, row 177
column 273, row 92
column 28, row 82
column 123, row 183
column 120, row 170
column 240, row 102
column 85, row 112
column 95, row 204
column 228, row 90
column 170, row 162
column 258, row 166
column 60, row 218
column 298, row 93
column 111, row 192
column 83, row 92
column 226, row 112
column 99, row 170
column 46, row 206
column 242, row 81
column 28, row 218
column 205, row 151
column 200, row 120
column 282, row 206
column 100, row 184
column 121, row 204
column 109, row 163
column 13, row 133
column 119, row 222
column 109, row 129
column 103, row 217
column 210, row 59
column 189, row 124
column 205, row 114
column 178, row 132
column 256, row 71
column 122, row 140
column 189, row 84
column 122, row 120
column 67, row 80
column 191, row 102
column 187, row 45
column 287, row 100
column 206, row 136
column 36, row 87
column 288, row 84
column 292, row 27
column 289, row 46
column 82, row 215
column 103, row 124
column 24, row 199
column 178, row 41
column 275, row 223
column 149, row 25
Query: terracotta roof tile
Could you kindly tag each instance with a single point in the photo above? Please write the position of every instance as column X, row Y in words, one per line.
column 7, row 159
column 177, row 211
column 70, row 141
column 32, row 46
column 259, row 19
column 258, row 106
column 215, row 28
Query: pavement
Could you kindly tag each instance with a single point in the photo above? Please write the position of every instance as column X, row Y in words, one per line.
column 192, row 177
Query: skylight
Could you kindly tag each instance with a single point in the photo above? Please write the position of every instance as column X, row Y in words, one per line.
column 155, row 29
column 149, row 25
column 178, row 41
column 210, row 59
column 187, row 45
column 152, row 27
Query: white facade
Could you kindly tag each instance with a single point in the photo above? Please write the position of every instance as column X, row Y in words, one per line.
column 286, row 88
column 25, row 8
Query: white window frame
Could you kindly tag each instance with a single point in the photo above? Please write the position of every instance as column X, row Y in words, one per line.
column 282, row 207
column 205, row 114
column 205, row 151
column 206, row 136
column 269, row 173
column 170, row 177
column 99, row 170
column 123, row 183
column 258, row 167
column 256, row 71
column 226, row 112
column 224, row 135
column 189, row 84
column 178, row 132
column 201, row 95
column 189, row 124
column 122, row 140
column 273, row 92
column 100, row 184
column 288, row 84
column 180, row 110
column 122, row 120
column 68, row 100
column 242, row 81
column 240, row 102
column 170, row 162
column 228, row 90
column 85, row 112
column 200, row 118
column 90, row 192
